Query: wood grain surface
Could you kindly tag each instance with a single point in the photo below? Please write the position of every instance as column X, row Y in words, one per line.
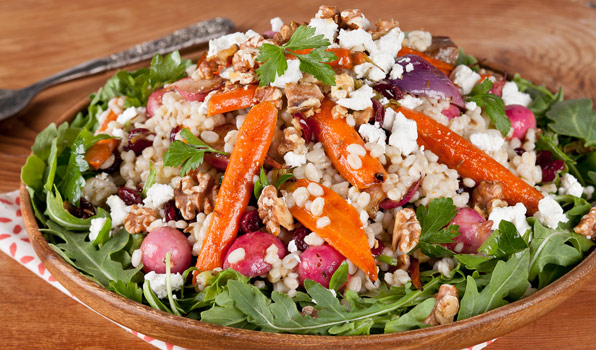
column 552, row 42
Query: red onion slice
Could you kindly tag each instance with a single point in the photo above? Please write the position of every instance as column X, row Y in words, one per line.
column 387, row 203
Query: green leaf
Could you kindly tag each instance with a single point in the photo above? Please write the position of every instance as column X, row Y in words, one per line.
column 150, row 179
column 104, row 233
column 312, row 63
column 275, row 63
column 130, row 290
column 574, row 118
column 95, row 262
column 439, row 213
column 482, row 88
column 32, row 172
column 494, row 107
column 225, row 313
column 304, row 38
column 187, row 155
column 542, row 98
column 43, row 141
column 471, row 261
column 167, row 69
column 413, row 319
column 503, row 242
column 468, row 60
column 56, row 212
column 339, row 277
column 509, row 279
column 283, row 178
column 152, row 299
column 261, row 183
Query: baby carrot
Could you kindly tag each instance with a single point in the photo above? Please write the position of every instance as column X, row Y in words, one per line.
column 344, row 232
column 336, row 135
column 469, row 161
column 97, row 154
column 232, row 100
column 442, row 66
column 110, row 118
column 254, row 138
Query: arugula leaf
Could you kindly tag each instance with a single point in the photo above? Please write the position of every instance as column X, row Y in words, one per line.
column 574, row 118
column 225, row 313
column 413, row 319
column 471, row 261
column 439, row 213
column 339, row 277
column 542, row 98
column 503, row 242
column 130, row 290
column 492, row 104
column 275, row 63
column 387, row 260
column 509, row 279
column 152, row 299
column 150, row 179
column 55, row 210
column 104, row 233
column 43, row 140
column 283, row 178
column 575, row 208
column 32, row 172
column 468, row 60
column 188, row 155
column 95, row 262
column 261, row 183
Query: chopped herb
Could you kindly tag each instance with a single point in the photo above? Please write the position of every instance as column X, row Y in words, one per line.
column 187, row 154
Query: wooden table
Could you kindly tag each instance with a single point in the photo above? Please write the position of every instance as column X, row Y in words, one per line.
column 553, row 42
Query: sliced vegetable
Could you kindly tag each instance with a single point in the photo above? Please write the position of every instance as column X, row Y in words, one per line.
column 469, row 161
column 440, row 65
column 196, row 90
column 109, row 118
column 254, row 139
column 345, row 231
column 422, row 78
column 336, row 135
column 100, row 152
column 232, row 100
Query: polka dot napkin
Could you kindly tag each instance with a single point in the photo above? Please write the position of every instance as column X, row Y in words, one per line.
column 15, row 243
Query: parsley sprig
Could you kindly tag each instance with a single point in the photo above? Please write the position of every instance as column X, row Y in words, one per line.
column 189, row 154
column 433, row 220
column 312, row 62
column 492, row 104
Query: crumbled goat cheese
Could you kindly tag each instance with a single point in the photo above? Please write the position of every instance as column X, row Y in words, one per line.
column 487, row 142
column 390, row 43
column 512, row 96
column 403, row 134
column 276, row 24
column 444, row 266
column 359, row 99
column 410, row 102
column 291, row 75
column 515, row 215
column 464, row 77
column 127, row 115
column 324, row 26
column 550, row 213
column 373, row 134
column 383, row 61
column 570, row 185
column 369, row 71
column 118, row 210
column 470, row 106
column 419, row 40
column 96, row 226
column 157, row 281
column 294, row 159
column 158, row 195
column 356, row 40
column 224, row 42
column 396, row 71
column 409, row 67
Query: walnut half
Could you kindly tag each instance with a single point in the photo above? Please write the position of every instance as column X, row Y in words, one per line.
column 446, row 306
column 195, row 193
column 406, row 234
column 139, row 218
column 274, row 212
column 587, row 225
column 487, row 196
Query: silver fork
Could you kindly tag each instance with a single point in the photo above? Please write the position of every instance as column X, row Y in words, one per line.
column 13, row 101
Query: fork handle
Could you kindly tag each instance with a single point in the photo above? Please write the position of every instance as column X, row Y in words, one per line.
column 195, row 34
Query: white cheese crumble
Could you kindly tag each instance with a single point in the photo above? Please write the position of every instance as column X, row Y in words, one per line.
column 464, row 77
column 294, row 159
column 409, row 67
column 515, row 214
column 570, row 186
column 403, row 134
column 276, row 24
column 359, row 99
column 512, row 96
column 419, row 40
column 390, row 43
column 471, row 106
column 396, row 71
column 118, row 210
column 158, row 195
column 291, row 75
column 96, row 226
column 550, row 213
column 224, row 42
column 324, row 26
column 487, row 142
column 373, row 134
column 157, row 281
column 410, row 102
column 356, row 40
column 127, row 115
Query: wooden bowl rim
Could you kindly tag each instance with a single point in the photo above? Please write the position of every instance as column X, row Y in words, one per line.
column 477, row 329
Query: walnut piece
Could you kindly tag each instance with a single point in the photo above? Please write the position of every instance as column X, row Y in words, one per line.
column 446, row 306
column 285, row 33
column 303, row 97
column 587, row 225
column 328, row 12
column 274, row 211
column 354, row 19
column 383, row 27
column 195, row 193
column 269, row 93
column 406, row 234
column 206, row 69
column 339, row 111
column 139, row 218
column 344, row 84
column 487, row 196
column 291, row 141
column 364, row 116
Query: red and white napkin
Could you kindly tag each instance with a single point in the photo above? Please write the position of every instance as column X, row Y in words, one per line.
column 15, row 243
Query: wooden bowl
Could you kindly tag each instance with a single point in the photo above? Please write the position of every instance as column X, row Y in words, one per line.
column 200, row 335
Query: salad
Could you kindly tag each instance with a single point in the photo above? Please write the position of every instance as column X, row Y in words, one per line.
column 335, row 177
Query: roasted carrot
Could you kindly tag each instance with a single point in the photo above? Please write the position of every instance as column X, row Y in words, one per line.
column 336, row 135
column 110, row 118
column 232, row 100
column 97, row 154
column 345, row 232
column 254, row 138
column 469, row 161
column 442, row 66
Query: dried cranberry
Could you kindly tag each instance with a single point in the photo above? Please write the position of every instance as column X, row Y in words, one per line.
column 379, row 111
column 137, row 140
column 379, row 249
column 299, row 235
column 549, row 167
column 174, row 132
column 250, row 221
column 171, row 212
column 84, row 210
column 543, row 158
column 388, row 90
column 129, row 196
column 451, row 112
column 307, row 132
column 519, row 151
